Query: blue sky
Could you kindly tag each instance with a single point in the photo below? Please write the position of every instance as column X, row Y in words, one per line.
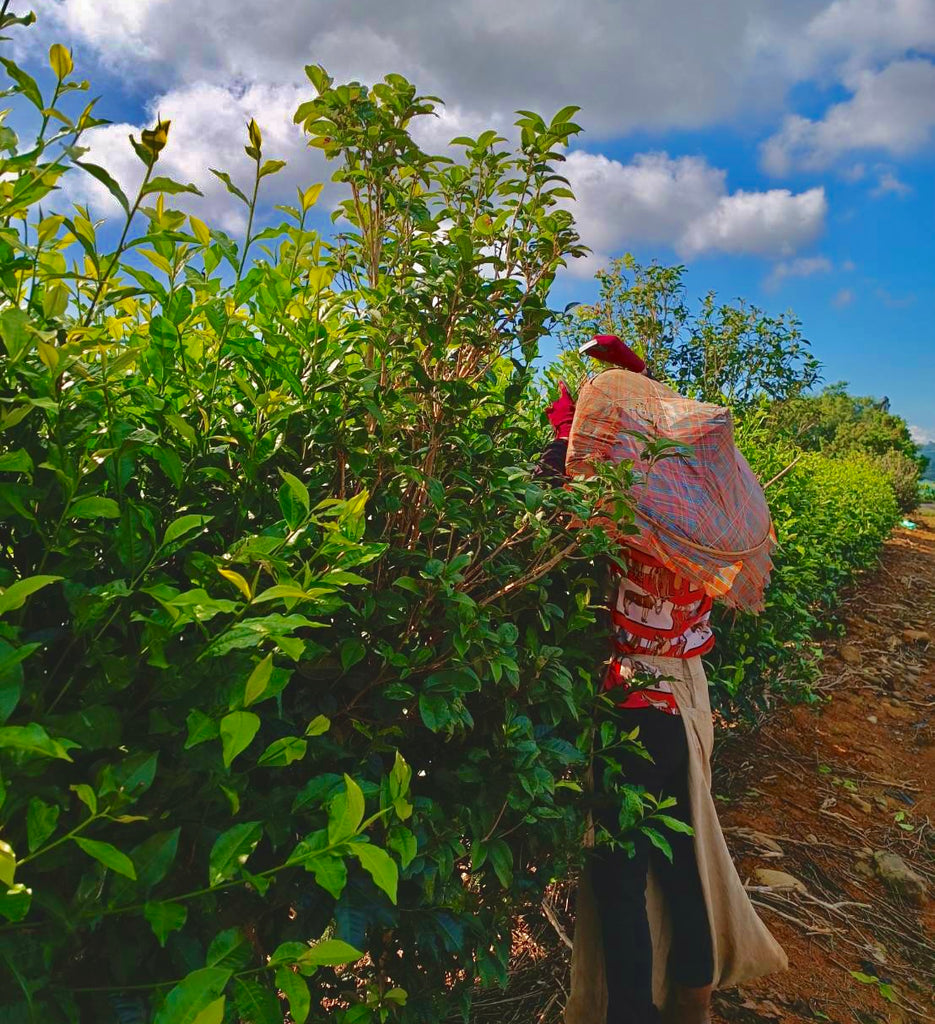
column 783, row 151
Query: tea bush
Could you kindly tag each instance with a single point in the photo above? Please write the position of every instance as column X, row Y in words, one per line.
column 831, row 516
column 296, row 658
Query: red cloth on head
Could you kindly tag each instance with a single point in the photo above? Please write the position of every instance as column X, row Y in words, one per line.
column 608, row 348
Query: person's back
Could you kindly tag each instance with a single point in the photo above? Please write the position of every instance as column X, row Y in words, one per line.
column 710, row 934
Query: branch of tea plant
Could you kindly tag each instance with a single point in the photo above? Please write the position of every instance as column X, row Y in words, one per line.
column 508, row 260
column 120, row 245
column 80, row 827
column 530, row 577
column 246, row 973
column 107, row 623
column 40, row 139
column 783, row 472
column 230, row 316
column 471, row 574
column 268, row 873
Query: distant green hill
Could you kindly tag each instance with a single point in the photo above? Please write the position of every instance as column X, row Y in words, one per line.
column 929, row 451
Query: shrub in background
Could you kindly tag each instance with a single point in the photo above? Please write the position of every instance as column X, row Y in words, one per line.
column 902, row 473
column 831, row 515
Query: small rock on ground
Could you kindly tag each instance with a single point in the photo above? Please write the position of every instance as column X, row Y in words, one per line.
column 897, row 874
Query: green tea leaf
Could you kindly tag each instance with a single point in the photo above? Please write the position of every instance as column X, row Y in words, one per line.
column 237, row 731
column 501, row 857
column 213, row 1013
column 25, row 83
column 107, row 181
column 318, row 726
column 379, row 865
column 15, row 902
column 94, row 507
column 295, row 988
column 165, row 918
column 283, row 752
column 16, row 462
column 346, row 812
column 33, row 739
column 230, row 186
column 271, row 167
column 258, row 681
column 17, row 337
column 330, row 872
column 7, row 863
column 230, row 948
column 331, row 953
column 86, row 795
column 170, row 187
column 41, row 819
column 152, row 858
column 108, row 855
column 232, row 849
column 674, row 824
column 298, row 489
column 193, row 994
column 255, row 1003
column 200, row 728
column 183, row 525
column 14, row 596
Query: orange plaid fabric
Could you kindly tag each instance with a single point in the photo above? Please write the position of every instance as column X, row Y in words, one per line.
column 702, row 514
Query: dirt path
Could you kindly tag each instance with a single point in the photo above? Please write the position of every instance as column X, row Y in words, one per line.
column 823, row 794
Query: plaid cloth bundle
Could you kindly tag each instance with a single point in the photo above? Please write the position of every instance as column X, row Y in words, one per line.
column 701, row 513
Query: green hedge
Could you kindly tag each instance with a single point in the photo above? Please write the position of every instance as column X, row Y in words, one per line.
column 831, row 516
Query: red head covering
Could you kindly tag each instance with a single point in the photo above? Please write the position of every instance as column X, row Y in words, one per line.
column 608, row 348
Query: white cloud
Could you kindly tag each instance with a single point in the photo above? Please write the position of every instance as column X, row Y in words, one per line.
column 922, row 435
column 868, row 31
column 208, row 130
column 843, row 297
column 630, row 64
column 773, row 223
column 889, row 184
column 684, row 202
column 804, row 266
column 890, row 111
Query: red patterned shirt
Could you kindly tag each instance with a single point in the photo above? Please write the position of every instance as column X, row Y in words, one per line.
column 659, row 614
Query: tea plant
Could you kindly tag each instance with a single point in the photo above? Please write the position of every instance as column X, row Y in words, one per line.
column 295, row 656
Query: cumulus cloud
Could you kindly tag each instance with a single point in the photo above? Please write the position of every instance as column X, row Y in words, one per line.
column 772, row 223
column 684, row 202
column 922, row 435
column 890, row 111
column 208, row 130
column 629, row 64
column 843, row 297
column 870, row 31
